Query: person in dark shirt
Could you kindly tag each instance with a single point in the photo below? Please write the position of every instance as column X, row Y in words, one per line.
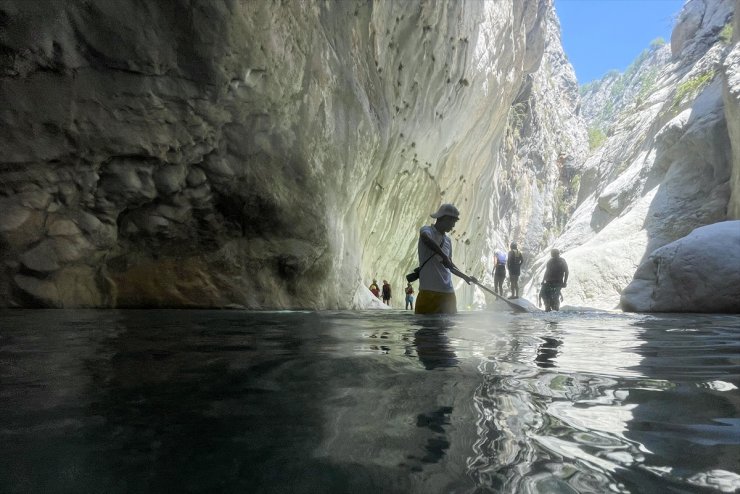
column 555, row 279
column 514, row 263
column 386, row 292
column 499, row 271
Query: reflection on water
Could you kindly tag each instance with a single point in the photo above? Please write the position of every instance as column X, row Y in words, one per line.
column 547, row 352
column 432, row 343
column 178, row 401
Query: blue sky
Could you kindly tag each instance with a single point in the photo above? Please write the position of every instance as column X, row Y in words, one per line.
column 601, row 35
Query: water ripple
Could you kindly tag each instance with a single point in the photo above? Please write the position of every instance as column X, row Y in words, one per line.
column 376, row 401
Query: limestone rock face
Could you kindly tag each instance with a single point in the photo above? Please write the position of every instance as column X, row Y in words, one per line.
column 233, row 153
column 603, row 100
column 665, row 167
column 731, row 68
column 687, row 25
column 693, row 272
column 218, row 153
column 537, row 167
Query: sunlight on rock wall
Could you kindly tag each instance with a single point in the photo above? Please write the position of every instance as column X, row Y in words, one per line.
column 250, row 154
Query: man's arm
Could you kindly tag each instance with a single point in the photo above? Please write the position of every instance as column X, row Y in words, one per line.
column 446, row 261
column 565, row 272
column 468, row 279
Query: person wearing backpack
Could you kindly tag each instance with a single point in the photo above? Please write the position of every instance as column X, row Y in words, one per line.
column 514, row 264
column 436, row 293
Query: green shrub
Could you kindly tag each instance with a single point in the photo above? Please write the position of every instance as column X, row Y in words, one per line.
column 657, row 43
column 575, row 184
column 596, row 138
column 692, row 86
column 587, row 87
column 635, row 65
column 647, row 84
column 726, row 34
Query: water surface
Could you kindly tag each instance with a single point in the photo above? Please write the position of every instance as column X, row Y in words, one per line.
column 383, row 401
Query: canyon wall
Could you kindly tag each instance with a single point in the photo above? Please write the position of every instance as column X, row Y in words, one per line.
column 227, row 153
column 660, row 167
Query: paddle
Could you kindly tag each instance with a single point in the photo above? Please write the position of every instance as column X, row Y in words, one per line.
column 513, row 305
column 516, row 307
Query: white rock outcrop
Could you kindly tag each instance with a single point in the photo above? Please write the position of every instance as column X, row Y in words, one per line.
column 698, row 272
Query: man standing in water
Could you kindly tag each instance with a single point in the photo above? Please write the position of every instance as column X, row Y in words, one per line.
column 514, row 264
column 436, row 294
column 386, row 292
column 556, row 278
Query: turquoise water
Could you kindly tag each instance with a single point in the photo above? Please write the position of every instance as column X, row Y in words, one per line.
column 383, row 401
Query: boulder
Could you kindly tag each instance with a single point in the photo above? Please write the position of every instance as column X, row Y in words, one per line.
column 698, row 273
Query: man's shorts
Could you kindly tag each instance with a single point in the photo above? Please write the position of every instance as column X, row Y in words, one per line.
column 429, row 302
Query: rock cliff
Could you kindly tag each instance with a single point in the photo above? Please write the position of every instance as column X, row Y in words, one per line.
column 226, row 153
column 256, row 154
column 661, row 169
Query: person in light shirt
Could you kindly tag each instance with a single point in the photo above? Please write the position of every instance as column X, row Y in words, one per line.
column 436, row 294
column 499, row 271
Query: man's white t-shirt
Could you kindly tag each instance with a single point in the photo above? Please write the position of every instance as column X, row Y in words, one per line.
column 434, row 276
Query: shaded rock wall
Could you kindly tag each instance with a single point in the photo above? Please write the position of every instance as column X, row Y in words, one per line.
column 259, row 154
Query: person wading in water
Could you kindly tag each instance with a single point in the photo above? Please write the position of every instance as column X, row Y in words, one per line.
column 409, row 296
column 436, row 294
column 386, row 292
column 514, row 264
column 374, row 288
column 555, row 279
column 499, row 271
